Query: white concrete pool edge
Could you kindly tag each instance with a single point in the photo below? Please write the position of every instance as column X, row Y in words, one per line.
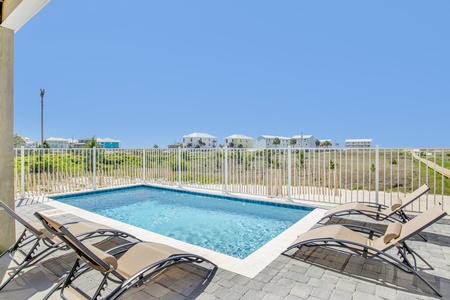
column 249, row 267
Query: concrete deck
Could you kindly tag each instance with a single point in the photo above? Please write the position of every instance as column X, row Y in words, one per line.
column 313, row 274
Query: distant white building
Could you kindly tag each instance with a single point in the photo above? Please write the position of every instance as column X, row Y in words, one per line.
column 75, row 144
column 266, row 142
column 239, row 141
column 57, row 143
column 358, row 143
column 199, row 140
column 304, row 141
column 175, row 145
column 84, row 141
column 28, row 143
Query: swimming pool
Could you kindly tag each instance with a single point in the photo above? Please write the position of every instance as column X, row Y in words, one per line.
column 236, row 227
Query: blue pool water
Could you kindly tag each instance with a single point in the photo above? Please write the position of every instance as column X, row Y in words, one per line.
column 236, row 227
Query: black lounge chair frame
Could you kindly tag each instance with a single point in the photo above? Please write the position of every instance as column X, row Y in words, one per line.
column 403, row 249
column 84, row 256
column 402, row 264
column 363, row 250
column 31, row 235
column 396, row 216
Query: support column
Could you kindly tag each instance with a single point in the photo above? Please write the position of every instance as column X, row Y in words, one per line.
column 7, row 224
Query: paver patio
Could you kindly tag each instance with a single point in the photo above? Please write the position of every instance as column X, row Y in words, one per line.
column 316, row 273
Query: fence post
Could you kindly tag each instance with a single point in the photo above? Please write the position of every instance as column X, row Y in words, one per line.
column 144, row 166
column 289, row 172
column 377, row 173
column 22, row 172
column 226, row 169
column 179, row 167
column 94, row 167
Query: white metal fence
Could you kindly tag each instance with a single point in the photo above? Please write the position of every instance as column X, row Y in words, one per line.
column 323, row 175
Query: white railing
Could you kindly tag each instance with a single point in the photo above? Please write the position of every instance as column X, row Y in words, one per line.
column 321, row 175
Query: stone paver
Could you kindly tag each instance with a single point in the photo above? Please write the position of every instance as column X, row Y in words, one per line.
column 315, row 273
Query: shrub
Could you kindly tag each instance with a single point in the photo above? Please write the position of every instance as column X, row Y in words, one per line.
column 331, row 166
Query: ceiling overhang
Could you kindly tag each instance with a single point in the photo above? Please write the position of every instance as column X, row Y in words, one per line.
column 15, row 13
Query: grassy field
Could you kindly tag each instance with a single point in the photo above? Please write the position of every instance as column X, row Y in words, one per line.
column 439, row 160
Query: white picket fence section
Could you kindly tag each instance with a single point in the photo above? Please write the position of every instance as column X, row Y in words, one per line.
column 321, row 175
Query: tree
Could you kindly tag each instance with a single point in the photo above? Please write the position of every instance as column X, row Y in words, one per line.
column 293, row 142
column 92, row 143
column 276, row 141
column 327, row 144
column 231, row 144
column 19, row 141
column 155, row 146
column 317, row 143
column 46, row 145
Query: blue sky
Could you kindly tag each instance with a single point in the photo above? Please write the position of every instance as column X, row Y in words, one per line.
column 148, row 72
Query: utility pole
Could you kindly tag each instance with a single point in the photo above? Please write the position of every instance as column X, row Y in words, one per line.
column 42, row 117
column 301, row 140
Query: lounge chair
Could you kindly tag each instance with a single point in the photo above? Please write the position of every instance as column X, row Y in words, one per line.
column 35, row 236
column 341, row 237
column 379, row 212
column 129, row 266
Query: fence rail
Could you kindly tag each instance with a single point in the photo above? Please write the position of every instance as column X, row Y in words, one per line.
column 321, row 175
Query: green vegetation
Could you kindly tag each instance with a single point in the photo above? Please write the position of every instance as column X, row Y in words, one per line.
column 19, row 141
column 74, row 162
column 92, row 143
column 331, row 166
column 434, row 181
column 276, row 141
column 439, row 162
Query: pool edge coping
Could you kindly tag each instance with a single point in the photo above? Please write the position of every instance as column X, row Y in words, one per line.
column 249, row 266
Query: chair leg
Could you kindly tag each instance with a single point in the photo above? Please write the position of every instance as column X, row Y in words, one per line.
column 427, row 283
column 55, row 288
column 414, row 254
column 65, row 281
column 406, row 267
column 101, row 287
column 29, row 255
column 16, row 244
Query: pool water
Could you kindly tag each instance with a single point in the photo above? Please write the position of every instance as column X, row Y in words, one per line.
column 236, row 227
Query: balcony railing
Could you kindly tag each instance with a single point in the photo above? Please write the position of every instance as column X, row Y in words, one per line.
column 313, row 174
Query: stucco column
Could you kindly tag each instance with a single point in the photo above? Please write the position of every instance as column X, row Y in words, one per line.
column 7, row 224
